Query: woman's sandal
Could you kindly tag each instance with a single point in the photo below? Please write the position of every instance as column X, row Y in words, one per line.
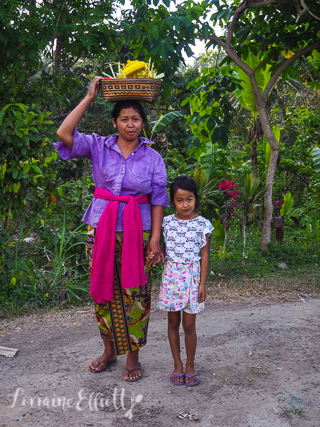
column 178, row 382
column 130, row 372
column 107, row 363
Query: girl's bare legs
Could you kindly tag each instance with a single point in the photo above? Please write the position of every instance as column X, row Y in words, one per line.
column 174, row 320
column 189, row 327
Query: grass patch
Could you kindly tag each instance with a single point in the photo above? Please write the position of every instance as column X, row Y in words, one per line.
column 285, row 284
column 288, row 412
column 262, row 273
column 37, row 278
column 257, row 263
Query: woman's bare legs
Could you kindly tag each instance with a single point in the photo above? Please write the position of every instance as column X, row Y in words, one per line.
column 189, row 327
column 132, row 370
column 109, row 356
column 174, row 320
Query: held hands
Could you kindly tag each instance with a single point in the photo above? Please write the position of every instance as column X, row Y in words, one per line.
column 202, row 293
column 154, row 253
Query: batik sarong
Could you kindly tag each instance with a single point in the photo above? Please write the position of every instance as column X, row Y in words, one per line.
column 124, row 320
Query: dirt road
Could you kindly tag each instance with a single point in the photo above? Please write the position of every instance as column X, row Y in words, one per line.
column 258, row 362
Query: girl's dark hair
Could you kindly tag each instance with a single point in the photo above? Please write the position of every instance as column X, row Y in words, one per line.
column 120, row 105
column 184, row 183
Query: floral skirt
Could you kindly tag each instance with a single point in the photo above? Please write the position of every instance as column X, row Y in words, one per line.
column 124, row 320
column 179, row 287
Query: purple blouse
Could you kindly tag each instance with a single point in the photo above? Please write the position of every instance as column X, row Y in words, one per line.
column 142, row 172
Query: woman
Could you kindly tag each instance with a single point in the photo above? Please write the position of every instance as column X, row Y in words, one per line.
column 129, row 177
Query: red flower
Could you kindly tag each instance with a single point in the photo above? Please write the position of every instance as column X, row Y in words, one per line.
column 277, row 203
column 227, row 185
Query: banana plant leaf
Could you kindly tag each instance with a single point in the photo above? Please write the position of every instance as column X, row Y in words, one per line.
column 262, row 76
column 287, row 206
column 316, row 158
column 165, row 120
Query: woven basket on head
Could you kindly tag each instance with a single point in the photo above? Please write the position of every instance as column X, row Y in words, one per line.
column 145, row 90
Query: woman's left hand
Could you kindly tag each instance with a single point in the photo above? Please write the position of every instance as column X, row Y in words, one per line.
column 154, row 253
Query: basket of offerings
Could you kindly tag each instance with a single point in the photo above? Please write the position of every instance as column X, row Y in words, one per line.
column 137, row 80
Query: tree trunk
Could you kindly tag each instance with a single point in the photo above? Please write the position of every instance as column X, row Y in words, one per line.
column 244, row 241
column 57, row 64
column 254, row 135
column 57, row 54
column 274, row 145
column 224, row 245
column 268, row 207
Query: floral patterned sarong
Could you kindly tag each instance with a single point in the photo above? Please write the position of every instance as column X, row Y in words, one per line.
column 179, row 287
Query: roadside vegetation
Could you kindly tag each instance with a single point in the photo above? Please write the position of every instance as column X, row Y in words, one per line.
column 250, row 139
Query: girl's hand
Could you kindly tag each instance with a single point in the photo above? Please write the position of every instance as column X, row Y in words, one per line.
column 154, row 253
column 94, row 87
column 202, row 293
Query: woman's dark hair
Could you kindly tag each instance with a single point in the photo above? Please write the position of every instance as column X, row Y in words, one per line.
column 184, row 183
column 120, row 105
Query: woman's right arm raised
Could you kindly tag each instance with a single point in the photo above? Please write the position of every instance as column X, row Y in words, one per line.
column 66, row 130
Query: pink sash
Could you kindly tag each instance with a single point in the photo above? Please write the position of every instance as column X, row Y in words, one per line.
column 132, row 264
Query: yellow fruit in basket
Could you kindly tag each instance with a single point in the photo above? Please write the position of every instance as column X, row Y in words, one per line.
column 132, row 67
column 135, row 70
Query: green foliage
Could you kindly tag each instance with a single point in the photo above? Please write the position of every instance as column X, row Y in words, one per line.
column 297, row 254
column 245, row 94
column 300, row 133
column 287, row 206
column 211, row 110
column 51, row 52
column 63, row 278
column 250, row 193
column 218, row 232
column 312, row 223
column 25, row 156
column 206, row 188
column 35, row 32
column 165, row 35
column 164, row 121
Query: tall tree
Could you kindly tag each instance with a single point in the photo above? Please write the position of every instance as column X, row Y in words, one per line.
column 268, row 29
column 41, row 40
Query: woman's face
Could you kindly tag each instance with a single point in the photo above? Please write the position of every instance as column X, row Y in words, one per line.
column 129, row 124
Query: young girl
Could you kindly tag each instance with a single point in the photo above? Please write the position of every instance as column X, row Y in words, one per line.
column 183, row 287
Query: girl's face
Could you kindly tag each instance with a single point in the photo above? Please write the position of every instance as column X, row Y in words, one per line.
column 129, row 124
column 184, row 201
